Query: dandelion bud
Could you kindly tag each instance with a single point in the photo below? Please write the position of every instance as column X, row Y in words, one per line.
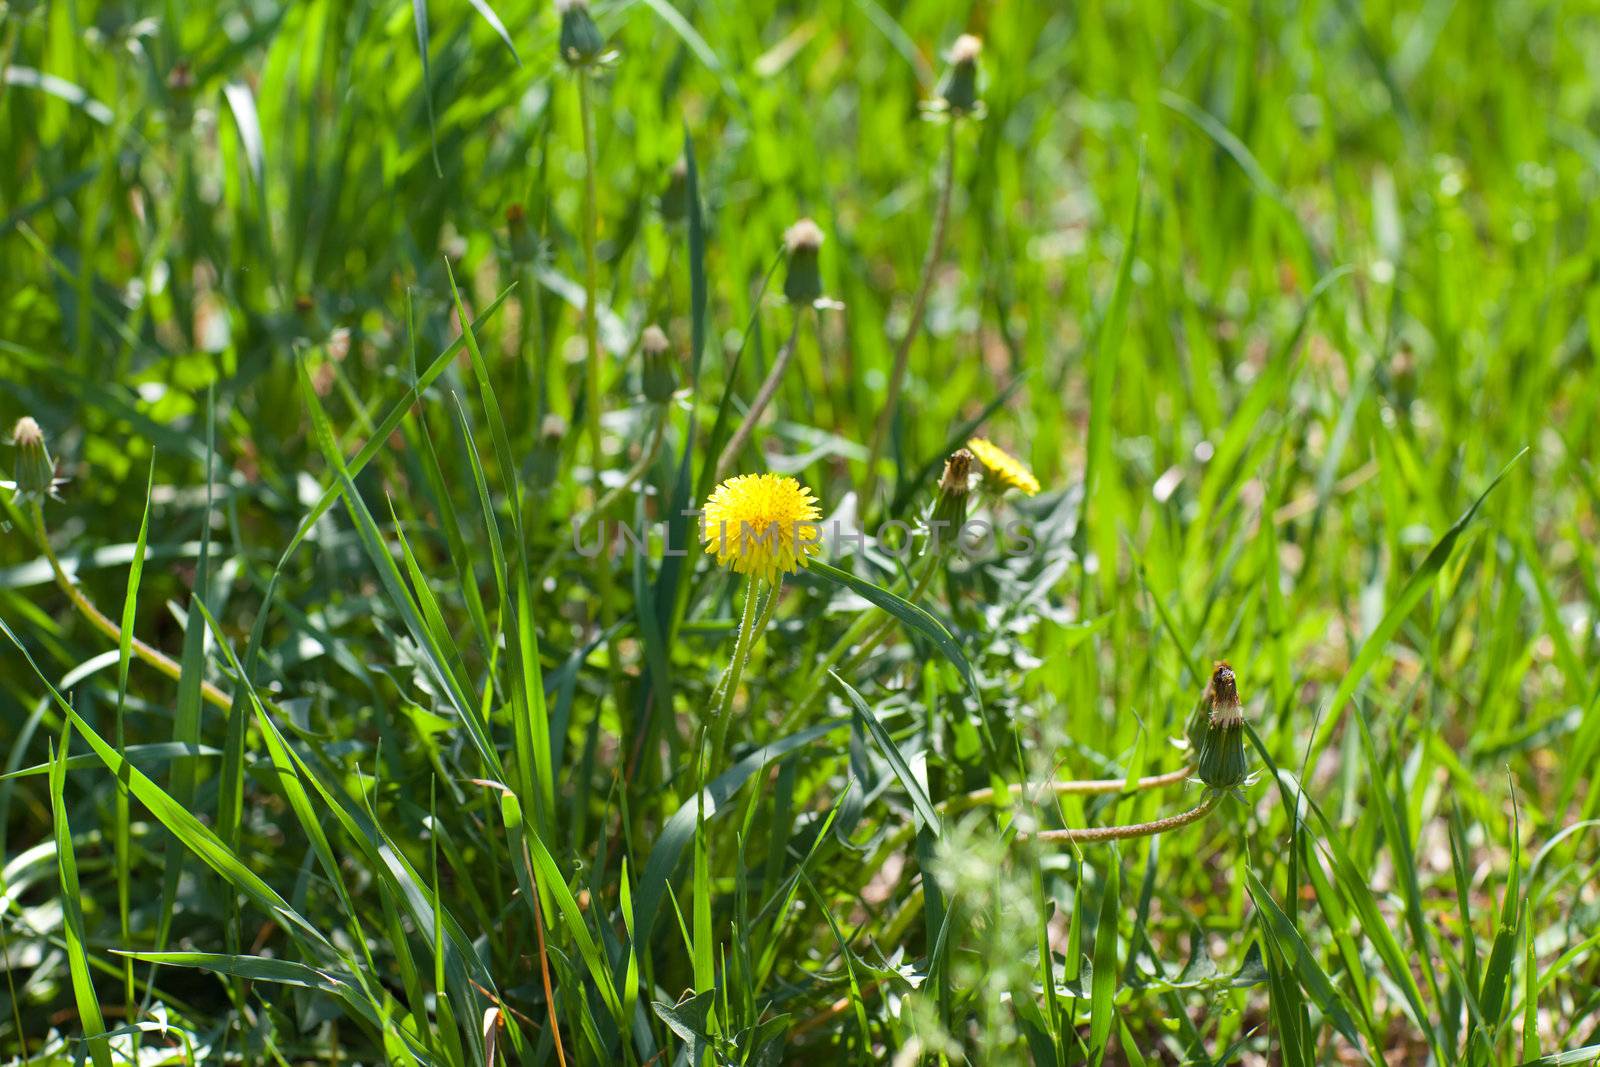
column 658, row 379
column 35, row 470
column 674, row 203
column 546, row 460
column 1222, row 759
column 524, row 249
column 960, row 86
column 950, row 505
column 804, row 282
column 581, row 44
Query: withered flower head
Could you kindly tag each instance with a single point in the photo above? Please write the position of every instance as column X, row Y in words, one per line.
column 1222, row 763
column 950, row 505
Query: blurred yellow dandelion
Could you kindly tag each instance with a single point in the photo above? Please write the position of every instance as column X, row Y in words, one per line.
column 1003, row 467
column 761, row 525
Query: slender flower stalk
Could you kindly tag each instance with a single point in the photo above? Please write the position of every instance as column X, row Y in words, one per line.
column 919, row 302
column 764, row 396
column 729, row 684
column 803, row 288
column 591, row 283
column 657, row 381
column 1072, row 787
column 583, row 49
column 152, row 656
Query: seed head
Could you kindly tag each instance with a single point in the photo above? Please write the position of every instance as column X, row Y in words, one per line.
column 959, row 90
column 1222, row 762
column 35, row 470
column 802, row 241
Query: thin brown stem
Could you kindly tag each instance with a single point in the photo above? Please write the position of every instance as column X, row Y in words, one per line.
column 763, row 397
column 1075, row 787
column 635, row 472
column 152, row 656
column 1093, row 834
column 919, row 303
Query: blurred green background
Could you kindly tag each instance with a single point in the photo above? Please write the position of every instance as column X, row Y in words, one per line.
column 1360, row 265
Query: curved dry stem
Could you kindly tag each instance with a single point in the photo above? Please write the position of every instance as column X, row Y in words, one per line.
column 1093, row 834
column 150, row 655
column 1074, row 787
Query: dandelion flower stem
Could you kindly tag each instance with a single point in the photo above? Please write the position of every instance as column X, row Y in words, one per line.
column 763, row 397
column 735, row 672
column 152, row 656
column 919, row 303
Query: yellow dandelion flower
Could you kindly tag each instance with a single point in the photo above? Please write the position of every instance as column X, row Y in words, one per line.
column 761, row 525
column 1003, row 467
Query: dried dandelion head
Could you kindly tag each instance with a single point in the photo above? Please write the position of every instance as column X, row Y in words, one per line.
column 1222, row 763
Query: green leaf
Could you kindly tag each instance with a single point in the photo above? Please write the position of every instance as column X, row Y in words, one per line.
column 1103, row 982
column 891, row 752
column 1276, row 925
column 72, row 909
column 1416, row 586
column 914, row 617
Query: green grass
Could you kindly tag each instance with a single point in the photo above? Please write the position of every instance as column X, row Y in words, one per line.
column 1267, row 296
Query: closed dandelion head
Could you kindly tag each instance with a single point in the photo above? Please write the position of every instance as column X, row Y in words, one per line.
column 1222, row 763
column 802, row 242
column 581, row 43
column 1001, row 469
column 761, row 525
column 658, row 378
column 959, row 90
column 35, row 470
